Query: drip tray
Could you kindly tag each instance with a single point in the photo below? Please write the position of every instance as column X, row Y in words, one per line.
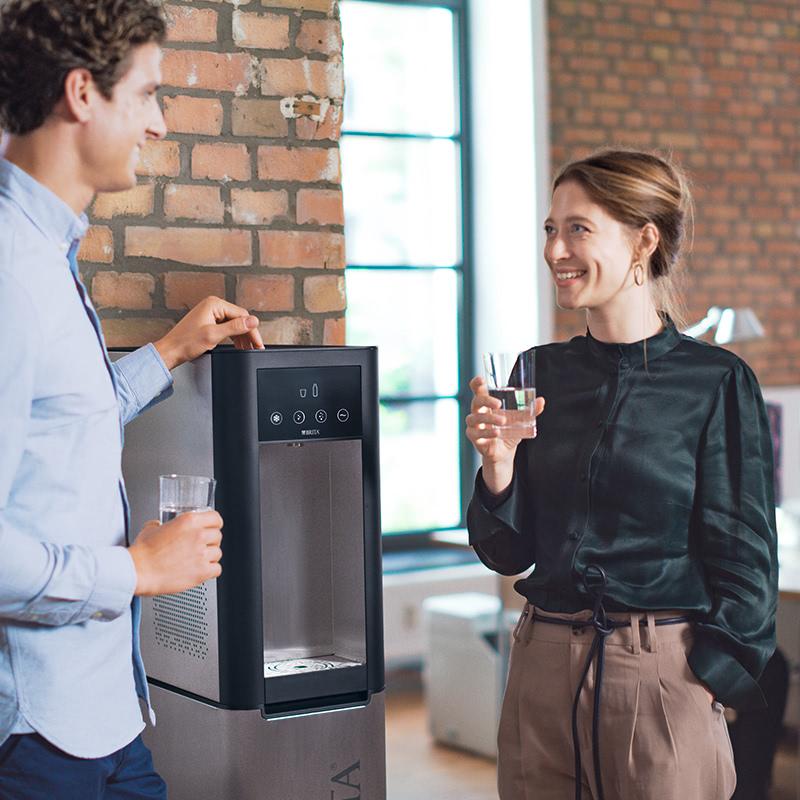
column 300, row 666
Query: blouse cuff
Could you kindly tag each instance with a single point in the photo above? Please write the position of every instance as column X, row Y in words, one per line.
column 731, row 684
column 489, row 500
column 490, row 514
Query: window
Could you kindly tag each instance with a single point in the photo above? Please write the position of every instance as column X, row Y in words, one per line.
column 404, row 152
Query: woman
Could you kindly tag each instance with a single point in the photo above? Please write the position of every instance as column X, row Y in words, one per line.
column 645, row 503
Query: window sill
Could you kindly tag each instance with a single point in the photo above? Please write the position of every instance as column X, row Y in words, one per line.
column 420, row 559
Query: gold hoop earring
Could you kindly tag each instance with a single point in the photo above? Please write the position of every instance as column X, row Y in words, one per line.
column 638, row 274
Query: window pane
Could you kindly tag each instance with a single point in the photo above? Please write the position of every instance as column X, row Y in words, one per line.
column 419, row 466
column 413, row 319
column 399, row 68
column 401, row 201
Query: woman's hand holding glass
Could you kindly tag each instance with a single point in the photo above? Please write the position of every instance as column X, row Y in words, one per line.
column 496, row 452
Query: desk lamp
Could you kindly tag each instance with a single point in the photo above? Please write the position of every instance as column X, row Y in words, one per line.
column 731, row 324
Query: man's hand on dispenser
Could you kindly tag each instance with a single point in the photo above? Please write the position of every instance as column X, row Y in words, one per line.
column 210, row 322
column 179, row 554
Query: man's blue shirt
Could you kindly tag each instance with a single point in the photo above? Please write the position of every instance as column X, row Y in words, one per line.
column 70, row 667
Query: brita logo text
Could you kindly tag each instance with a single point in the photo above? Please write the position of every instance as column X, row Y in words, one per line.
column 311, row 432
column 347, row 783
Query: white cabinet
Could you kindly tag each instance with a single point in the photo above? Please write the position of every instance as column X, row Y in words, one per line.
column 403, row 596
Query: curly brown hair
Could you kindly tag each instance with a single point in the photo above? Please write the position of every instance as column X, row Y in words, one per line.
column 42, row 41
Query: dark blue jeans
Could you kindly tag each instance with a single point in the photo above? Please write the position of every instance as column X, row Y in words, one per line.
column 33, row 769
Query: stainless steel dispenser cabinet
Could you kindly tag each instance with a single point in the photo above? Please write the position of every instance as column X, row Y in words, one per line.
column 268, row 682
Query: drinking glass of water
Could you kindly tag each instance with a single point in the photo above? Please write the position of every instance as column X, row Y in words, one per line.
column 511, row 378
column 179, row 494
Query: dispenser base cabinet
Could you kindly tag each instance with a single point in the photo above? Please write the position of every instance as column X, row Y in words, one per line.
column 204, row 753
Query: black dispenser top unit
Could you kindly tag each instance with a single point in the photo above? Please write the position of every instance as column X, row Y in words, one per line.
column 294, row 623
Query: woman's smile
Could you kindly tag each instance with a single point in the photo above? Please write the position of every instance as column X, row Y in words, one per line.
column 564, row 277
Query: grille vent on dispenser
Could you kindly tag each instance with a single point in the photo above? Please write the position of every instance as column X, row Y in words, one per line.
column 181, row 621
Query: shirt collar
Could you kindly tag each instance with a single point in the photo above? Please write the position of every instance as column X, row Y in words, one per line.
column 48, row 212
column 634, row 352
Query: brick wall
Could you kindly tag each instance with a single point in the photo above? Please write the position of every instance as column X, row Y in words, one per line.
column 717, row 83
column 243, row 199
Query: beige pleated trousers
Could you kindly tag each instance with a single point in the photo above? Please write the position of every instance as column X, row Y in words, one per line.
column 660, row 736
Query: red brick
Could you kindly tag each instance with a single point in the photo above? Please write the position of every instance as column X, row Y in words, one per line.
column 221, row 162
column 134, row 332
column 304, row 164
column 320, row 36
column 615, row 30
column 325, row 6
column 199, row 203
column 662, row 35
column 187, row 24
column 716, row 143
column 288, row 76
column 309, row 249
column 287, row 330
column 784, row 179
column 566, row 8
column 608, row 119
column 322, row 206
column 683, row 139
column 265, row 292
column 250, row 207
column 611, row 100
column 206, row 247
column 588, row 64
column 788, row 248
column 324, row 293
column 588, row 9
column 261, row 31
column 136, row 202
column 335, row 333
column 97, row 246
column 684, row 5
column 126, row 290
column 596, row 136
column 184, row 290
column 193, row 115
column 198, row 69
column 258, row 118
column 160, row 158
column 769, row 11
column 330, row 128
column 765, row 144
column 636, row 67
column 727, row 75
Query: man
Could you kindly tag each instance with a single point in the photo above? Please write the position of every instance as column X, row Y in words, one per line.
column 78, row 82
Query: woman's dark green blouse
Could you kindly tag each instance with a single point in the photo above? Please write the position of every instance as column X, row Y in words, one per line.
column 660, row 472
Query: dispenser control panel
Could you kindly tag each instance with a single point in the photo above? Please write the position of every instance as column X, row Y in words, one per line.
column 298, row 403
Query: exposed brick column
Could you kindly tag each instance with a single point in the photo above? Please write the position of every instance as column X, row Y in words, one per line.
column 243, row 199
column 717, row 83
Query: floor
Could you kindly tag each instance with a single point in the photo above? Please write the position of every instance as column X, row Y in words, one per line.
column 420, row 769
